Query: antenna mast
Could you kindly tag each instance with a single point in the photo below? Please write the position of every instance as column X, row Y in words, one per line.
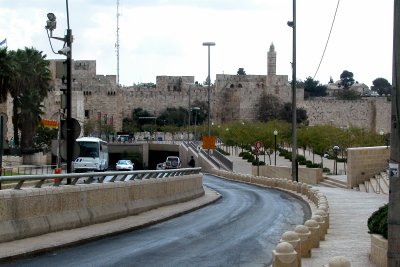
column 117, row 44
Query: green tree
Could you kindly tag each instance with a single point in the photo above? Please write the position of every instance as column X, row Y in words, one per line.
column 269, row 107
column 382, row 86
column 286, row 114
column 6, row 73
column 346, row 79
column 241, row 71
column 348, row 95
column 29, row 81
column 89, row 127
column 30, row 109
column 313, row 88
column 43, row 138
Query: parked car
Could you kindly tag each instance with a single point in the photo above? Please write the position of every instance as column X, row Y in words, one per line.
column 160, row 166
column 172, row 162
column 124, row 165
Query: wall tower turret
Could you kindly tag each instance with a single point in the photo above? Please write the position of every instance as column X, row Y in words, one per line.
column 271, row 60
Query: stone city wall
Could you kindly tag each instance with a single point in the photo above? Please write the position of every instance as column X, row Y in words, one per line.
column 368, row 113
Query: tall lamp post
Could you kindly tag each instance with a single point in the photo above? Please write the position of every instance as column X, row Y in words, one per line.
column 275, row 134
column 208, row 86
column 292, row 24
column 66, row 51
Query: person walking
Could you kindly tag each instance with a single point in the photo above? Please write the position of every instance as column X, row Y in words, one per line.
column 192, row 163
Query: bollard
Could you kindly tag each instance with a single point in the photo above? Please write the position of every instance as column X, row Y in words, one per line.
column 321, row 224
column 298, row 187
column 305, row 240
column 292, row 238
column 325, row 216
column 338, row 261
column 314, row 229
column 57, row 180
column 284, row 255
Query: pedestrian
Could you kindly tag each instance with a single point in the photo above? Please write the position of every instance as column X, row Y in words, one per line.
column 192, row 163
column 12, row 142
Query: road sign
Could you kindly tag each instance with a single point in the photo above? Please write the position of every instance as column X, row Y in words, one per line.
column 208, row 142
column 76, row 129
column 259, row 145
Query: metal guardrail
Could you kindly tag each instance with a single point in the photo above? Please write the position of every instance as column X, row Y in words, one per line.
column 95, row 177
column 28, row 170
column 224, row 160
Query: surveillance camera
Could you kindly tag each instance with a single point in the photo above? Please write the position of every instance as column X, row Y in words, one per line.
column 64, row 51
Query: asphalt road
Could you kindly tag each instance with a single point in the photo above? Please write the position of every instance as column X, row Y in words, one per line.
column 240, row 229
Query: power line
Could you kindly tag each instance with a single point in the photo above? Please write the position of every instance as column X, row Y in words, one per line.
column 327, row 41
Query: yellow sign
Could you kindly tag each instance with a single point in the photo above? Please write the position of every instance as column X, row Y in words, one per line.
column 208, row 142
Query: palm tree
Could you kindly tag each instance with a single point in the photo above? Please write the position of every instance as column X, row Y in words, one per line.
column 6, row 67
column 30, row 109
column 30, row 73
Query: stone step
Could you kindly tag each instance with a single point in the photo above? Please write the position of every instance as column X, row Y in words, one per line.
column 362, row 188
column 331, row 182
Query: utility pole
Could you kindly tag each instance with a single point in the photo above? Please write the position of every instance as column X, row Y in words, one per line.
column 70, row 136
column 292, row 24
column 394, row 177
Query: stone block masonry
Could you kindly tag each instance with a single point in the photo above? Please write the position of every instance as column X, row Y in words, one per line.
column 35, row 211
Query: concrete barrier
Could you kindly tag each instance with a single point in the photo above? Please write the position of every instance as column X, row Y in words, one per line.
column 35, row 211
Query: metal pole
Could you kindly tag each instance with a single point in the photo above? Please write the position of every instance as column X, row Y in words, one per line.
column 208, row 44
column 188, row 134
column 208, row 93
column 393, row 253
column 294, row 112
column 70, row 140
column 275, row 148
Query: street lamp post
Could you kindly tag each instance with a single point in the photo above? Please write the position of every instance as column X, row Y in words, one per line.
column 293, row 25
column 196, row 109
column 335, row 151
column 208, row 44
column 275, row 134
column 67, row 51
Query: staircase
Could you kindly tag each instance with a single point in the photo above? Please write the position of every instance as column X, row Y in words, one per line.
column 378, row 184
column 331, row 182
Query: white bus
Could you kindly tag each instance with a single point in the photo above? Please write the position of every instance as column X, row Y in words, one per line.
column 93, row 155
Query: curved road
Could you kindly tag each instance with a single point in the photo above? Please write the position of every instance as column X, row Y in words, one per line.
column 240, row 229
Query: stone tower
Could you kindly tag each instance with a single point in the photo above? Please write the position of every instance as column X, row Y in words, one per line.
column 271, row 60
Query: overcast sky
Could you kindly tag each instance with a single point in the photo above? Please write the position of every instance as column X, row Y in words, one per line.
column 164, row 37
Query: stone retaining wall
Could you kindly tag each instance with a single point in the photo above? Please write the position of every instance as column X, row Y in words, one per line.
column 379, row 248
column 364, row 162
column 306, row 175
column 35, row 211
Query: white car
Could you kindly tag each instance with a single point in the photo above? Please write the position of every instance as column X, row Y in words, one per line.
column 124, row 165
column 172, row 162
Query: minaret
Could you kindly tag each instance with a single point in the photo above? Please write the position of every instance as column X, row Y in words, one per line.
column 271, row 60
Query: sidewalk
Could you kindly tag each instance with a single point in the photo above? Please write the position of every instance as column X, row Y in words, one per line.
column 349, row 212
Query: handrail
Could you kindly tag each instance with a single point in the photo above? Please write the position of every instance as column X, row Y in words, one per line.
column 223, row 159
column 97, row 177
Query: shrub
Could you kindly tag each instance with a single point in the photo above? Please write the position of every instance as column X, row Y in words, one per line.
column 246, row 155
column 378, row 221
column 313, row 165
column 325, row 169
column 254, row 163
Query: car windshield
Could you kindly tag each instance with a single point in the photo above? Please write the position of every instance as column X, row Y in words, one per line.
column 123, row 162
